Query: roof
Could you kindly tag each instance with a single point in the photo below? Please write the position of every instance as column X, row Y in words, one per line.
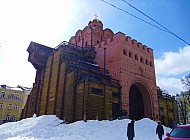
column 10, row 88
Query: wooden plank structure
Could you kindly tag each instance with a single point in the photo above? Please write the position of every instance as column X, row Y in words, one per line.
column 70, row 85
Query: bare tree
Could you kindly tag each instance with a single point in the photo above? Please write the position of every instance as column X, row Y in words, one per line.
column 186, row 81
column 184, row 100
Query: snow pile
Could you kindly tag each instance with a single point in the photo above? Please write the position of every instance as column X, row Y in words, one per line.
column 49, row 127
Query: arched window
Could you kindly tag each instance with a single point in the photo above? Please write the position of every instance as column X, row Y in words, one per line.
column 151, row 64
column 8, row 117
column 136, row 57
column 79, row 38
column 146, row 62
column 125, row 52
column 141, row 59
column 86, row 44
column 130, row 54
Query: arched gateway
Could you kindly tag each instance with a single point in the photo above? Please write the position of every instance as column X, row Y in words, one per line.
column 139, row 102
column 136, row 106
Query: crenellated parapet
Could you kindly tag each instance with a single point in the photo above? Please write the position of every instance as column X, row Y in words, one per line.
column 133, row 42
column 126, row 40
column 95, row 35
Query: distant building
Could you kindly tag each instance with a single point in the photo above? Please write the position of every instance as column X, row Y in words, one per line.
column 168, row 111
column 10, row 103
column 26, row 93
column 72, row 79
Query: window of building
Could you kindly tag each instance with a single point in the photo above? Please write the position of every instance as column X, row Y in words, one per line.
column 3, row 93
column 1, row 105
column 125, row 52
column 161, row 109
column 17, row 96
column 141, row 59
column 14, row 117
column 151, row 64
column 9, row 106
column 16, row 107
column 8, row 117
column 115, row 95
column 130, row 54
column 136, row 57
column 11, row 95
column 96, row 91
column 146, row 61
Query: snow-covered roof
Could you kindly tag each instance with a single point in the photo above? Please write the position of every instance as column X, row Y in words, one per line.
column 11, row 88
column 18, row 88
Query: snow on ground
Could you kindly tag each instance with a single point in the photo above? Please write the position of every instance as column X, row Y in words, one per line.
column 48, row 127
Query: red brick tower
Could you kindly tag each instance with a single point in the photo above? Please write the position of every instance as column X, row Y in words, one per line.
column 128, row 61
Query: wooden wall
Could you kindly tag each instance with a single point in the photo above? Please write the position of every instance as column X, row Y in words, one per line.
column 59, row 90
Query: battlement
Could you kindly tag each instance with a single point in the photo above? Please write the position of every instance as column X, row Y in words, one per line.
column 120, row 37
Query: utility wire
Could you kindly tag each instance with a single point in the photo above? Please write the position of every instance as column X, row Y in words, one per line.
column 156, row 22
column 134, row 16
column 164, row 30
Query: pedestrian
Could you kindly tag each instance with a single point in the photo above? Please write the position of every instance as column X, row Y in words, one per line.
column 159, row 130
column 130, row 130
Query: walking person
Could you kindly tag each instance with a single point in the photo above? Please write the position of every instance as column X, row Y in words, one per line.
column 159, row 130
column 130, row 130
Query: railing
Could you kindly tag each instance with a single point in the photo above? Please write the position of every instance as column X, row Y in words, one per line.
column 73, row 57
column 74, row 46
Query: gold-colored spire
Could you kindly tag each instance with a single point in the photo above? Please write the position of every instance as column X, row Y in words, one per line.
column 96, row 17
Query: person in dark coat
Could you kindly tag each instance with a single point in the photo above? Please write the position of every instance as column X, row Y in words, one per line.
column 130, row 130
column 159, row 130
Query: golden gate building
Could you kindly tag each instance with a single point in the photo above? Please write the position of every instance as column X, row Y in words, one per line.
column 128, row 61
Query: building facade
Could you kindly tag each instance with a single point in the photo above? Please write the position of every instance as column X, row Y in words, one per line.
column 10, row 103
column 128, row 61
column 70, row 85
column 26, row 93
column 168, row 110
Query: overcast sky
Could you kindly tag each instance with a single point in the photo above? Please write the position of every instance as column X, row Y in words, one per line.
column 50, row 22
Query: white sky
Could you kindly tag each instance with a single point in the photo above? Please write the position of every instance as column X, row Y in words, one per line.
column 170, row 67
column 24, row 21
column 52, row 22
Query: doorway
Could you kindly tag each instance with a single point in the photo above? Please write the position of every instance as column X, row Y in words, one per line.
column 136, row 106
